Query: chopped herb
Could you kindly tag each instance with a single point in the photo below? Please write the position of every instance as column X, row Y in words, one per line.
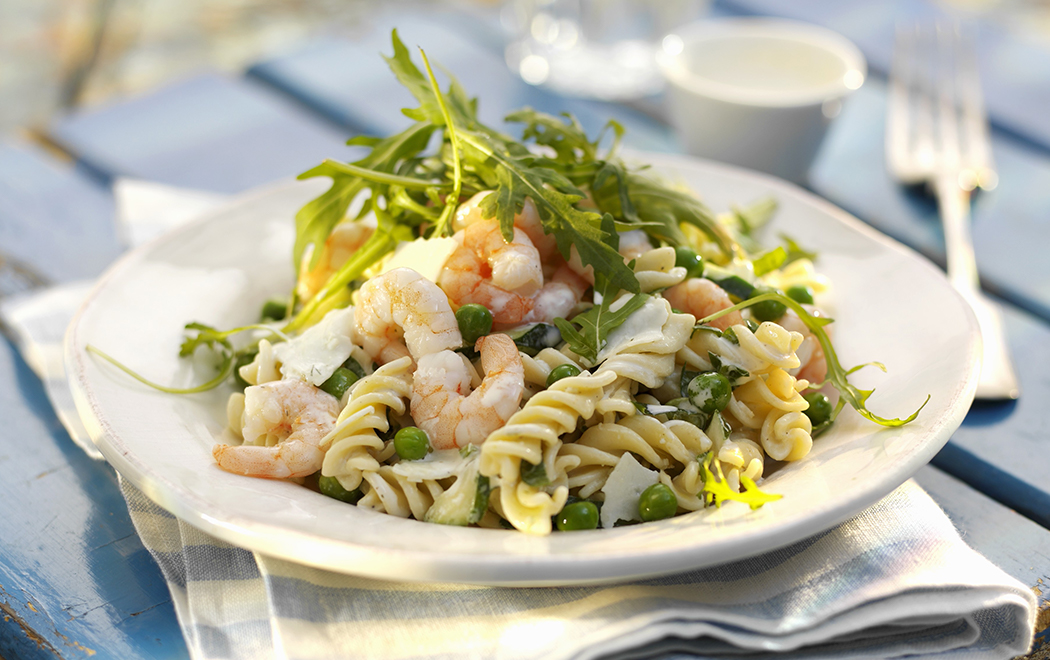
column 481, row 500
column 730, row 371
column 534, row 474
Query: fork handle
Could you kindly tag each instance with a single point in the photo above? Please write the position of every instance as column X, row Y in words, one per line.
column 998, row 380
column 954, row 203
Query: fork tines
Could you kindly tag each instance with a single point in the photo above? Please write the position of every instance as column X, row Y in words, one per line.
column 937, row 124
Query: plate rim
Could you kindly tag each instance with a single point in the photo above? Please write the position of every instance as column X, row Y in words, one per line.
column 238, row 530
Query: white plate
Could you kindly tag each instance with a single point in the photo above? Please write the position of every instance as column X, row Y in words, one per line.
column 219, row 271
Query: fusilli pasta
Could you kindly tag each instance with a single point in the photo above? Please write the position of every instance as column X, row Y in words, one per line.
column 354, row 442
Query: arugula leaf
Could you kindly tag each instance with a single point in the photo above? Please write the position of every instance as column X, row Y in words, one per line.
column 534, row 474
column 755, row 215
column 837, row 375
column 597, row 322
column 315, row 220
column 769, row 261
column 444, row 221
column 794, row 251
column 409, row 75
column 732, row 372
column 515, row 176
column 564, row 135
column 716, row 490
column 662, row 209
column 616, row 170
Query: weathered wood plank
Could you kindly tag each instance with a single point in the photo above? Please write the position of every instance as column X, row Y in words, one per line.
column 209, row 132
column 1009, row 228
column 348, row 82
column 75, row 581
column 57, row 220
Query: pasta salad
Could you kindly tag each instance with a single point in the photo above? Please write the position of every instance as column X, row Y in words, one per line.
column 529, row 334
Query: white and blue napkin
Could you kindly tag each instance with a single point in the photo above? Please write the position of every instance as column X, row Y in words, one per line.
column 894, row 581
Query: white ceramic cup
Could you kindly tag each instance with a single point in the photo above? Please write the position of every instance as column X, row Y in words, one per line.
column 758, row 92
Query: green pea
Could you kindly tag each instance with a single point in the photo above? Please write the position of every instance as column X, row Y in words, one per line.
column 687, row 258
column 475, row 321
column 331, row 487
column 339, row 382
column 657, row 502
column 274, row 309
column 819, row 410
column 411, row 443
column 800, row 293
column 562, row 371
column 577, row 516
column 710, row 392
column 767, row 310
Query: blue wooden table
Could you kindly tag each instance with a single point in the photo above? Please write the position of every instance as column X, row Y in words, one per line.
column 74, row 579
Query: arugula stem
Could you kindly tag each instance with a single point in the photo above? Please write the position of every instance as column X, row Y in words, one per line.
column 837, row 375
column 404, row 200
column 378, row 245
column 452, row 200
column 385, row 178
column 227, row 369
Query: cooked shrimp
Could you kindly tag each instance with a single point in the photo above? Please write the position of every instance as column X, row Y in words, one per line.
column 450, row 416
column 558, row 297
column 282, row 425
column 575, row 263
column 528, row 221
column 340, row 245
column 514, row 266
column 814, row 366
column 401, row 312
column 701, row 297
column 463, row 279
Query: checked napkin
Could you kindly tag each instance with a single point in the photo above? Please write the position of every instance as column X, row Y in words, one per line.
column 894, row 581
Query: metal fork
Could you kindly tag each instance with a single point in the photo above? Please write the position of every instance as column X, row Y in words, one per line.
column 937, row 133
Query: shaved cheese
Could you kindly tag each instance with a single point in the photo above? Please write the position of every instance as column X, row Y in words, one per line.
column 315, row 355
column 426, row 256
column 644, row 326
column 439, row 464
column 623, row 489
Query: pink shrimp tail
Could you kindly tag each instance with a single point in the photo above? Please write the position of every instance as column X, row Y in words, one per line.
column 701, row 297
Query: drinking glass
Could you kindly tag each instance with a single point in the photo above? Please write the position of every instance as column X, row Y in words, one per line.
column 603, row 49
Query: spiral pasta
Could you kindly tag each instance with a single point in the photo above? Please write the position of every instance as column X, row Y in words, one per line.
column 263, row 368
column 656, row 270
column 785, row 430
column 670, row 445
column 538, row 368
column 544, row 418
column 388, row 492
column 353, row 443
column 646, row 360
column 770, row 347
column 787, row 436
